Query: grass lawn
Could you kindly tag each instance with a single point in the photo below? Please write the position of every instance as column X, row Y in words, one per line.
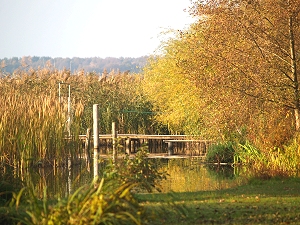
column 275, row 201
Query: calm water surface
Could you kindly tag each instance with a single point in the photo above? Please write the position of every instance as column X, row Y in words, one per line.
column 190, row 175
column 185, row 175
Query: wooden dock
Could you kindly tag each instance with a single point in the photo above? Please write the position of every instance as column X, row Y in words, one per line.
column 157, row 144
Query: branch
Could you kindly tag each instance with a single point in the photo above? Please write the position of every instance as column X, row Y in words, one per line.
column 260, row 97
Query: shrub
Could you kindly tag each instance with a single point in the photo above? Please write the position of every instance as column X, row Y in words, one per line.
column 108, row 201
column 276, row 162
column 221, row 153
column 140, row 170
column 104, row 202
column 101, row 202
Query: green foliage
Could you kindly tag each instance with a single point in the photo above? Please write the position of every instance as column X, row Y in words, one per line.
column 38, row 136
column 104, row 202
column 280, row 162
column 221, row 153
column 273, row 201
column 120, row 99
column 139, row 170
column 101, row 202
column 249, row 154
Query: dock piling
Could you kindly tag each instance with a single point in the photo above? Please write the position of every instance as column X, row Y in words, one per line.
column 96, row 139
column 114, row 140
column 87, row 146
column 170, row 148
column 127, row 146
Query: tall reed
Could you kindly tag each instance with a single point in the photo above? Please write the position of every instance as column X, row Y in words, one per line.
column 33, row 121
column 280, row 162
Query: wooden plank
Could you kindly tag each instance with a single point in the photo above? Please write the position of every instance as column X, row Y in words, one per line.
column 197, row 141
column 141, row 136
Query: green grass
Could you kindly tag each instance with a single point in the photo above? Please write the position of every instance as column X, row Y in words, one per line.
column 272, row 201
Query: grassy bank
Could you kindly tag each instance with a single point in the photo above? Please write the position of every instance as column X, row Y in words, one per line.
column 115, row 201
column 274, row 201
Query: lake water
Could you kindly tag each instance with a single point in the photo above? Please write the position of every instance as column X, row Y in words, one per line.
column 185, row 175
column 189, row 176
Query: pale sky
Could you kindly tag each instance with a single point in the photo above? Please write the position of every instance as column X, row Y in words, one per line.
column 87, row 28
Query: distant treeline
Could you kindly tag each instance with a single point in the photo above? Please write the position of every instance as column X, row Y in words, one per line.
column 92, row 64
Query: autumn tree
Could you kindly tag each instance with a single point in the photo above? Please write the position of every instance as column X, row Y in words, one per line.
column 26, row 61
column 254, row 46
column 175, row 99
column 236, row 67
column 3, row 65
column 182, row 84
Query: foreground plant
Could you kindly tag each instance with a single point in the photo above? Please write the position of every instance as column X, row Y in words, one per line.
column 221, row 153
column 106, row 201
column 282, row 162
column 101, row 202
column 139, row 170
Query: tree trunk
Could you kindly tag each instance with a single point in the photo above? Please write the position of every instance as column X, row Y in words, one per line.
column 294, row 73
column 297, row 120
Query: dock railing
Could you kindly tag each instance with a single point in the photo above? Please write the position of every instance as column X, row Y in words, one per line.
column 161, row 144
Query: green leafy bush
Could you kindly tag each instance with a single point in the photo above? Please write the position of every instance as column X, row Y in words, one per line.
column 104, row 202
column 221, row 153
column 274, row 162
column 141, row 170
column 108, row 201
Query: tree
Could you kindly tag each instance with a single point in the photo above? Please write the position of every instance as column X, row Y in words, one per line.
column 3, row 64
column 175, row 98
column 253, row 46
column 237, row 68
column 181, row 83
column 26, row 61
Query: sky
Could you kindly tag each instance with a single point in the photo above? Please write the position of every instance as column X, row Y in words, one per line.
column 87, row 28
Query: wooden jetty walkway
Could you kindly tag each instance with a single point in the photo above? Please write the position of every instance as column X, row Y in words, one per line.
column 170, row 144
column 157, row 144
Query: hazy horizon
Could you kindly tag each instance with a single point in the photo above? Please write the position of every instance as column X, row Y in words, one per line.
column 91, row 28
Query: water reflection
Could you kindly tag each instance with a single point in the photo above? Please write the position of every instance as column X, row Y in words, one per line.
column 60, row 182
column 185, row 175
column 190, row 175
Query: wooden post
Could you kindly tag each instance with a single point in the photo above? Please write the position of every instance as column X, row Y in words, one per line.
column 69, row 111
column 59, row 98
column 96, row 139
column 170, row 148
column 127, row 146
column 69, row 175
column 132, row 145
column 114, row 140
column 87, row 146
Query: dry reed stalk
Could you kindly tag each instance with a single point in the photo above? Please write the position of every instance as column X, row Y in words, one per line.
column 32, row 125
column 32, row 122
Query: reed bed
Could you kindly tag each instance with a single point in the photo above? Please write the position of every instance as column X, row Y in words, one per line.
column 277, row 162
column 120, row 99
column 33, row 122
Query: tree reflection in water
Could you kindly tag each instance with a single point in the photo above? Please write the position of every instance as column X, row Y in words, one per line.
column 185, row 175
